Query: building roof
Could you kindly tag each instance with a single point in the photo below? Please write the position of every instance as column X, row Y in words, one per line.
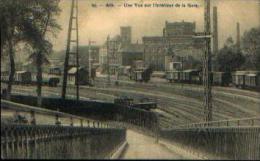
column 73, row 70
column 252, row 75
column 254, row 72
column 116, row 38
column 132, row 48
column 153, row 38
column 191, row 70
column 240, row 72
column 20, row 72
column 178, row 23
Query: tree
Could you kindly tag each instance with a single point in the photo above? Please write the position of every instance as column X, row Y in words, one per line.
column 42, row 24
column 10, row 16
column 229, row 58
column 27, row 22
column 251, row 48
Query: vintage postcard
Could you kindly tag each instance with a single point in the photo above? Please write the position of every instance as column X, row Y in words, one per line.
column 130, row 79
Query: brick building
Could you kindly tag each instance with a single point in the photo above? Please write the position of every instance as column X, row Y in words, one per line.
column 131, row 53
column 177, row 39
column 120, row 50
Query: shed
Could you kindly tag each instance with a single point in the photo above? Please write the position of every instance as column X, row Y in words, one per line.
column 83, row 76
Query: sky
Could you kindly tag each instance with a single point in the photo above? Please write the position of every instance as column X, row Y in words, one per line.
column 96, row 23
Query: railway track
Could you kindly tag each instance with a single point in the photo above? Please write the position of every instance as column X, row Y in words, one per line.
column 193, row 87
column 181, row 108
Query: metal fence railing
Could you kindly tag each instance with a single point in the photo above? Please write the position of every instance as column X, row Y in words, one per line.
column 48, row 134
column 226, row 139
column 241, row 143
column 36, row 115
column 59, row 142
column 249, row 122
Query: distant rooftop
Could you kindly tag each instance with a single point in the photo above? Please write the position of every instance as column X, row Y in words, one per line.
column 134, row 48
column 73, row 70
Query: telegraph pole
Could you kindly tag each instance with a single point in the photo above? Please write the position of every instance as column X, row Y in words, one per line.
column 89, row 61
column 215, row 30
column 207, row 65
column 182, row 69
column 74, row 6
column 77, row 52
column 108, row 65
column 238, row 37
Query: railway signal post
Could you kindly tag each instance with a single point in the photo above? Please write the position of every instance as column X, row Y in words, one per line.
column 206, row 62
column 207, row 65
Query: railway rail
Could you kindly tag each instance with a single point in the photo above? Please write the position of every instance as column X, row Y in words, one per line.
column 226, row 105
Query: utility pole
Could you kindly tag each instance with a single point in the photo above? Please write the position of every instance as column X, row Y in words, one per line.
column 238, row 37
column 215, row 30
column 182, row 69
column 73, row 16
column 77, row 52
column 207, row 65
column 89, row 61
column 114, row 58
column 108, row 65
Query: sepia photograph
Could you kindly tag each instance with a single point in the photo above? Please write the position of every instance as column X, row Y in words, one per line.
column 130, row 79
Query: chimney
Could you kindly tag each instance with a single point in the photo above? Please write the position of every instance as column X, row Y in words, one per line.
column 215, row 30
column 238, row 36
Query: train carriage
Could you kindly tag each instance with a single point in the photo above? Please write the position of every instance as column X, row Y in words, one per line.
column 181, row 76
column 238, row 78
column 141, row 75
column 4, row 76
column 55, row 70
column 137, row 75
column 139, row 72
column 221, row 78
column 191, row 76
column 146, row 75
column 173, row 75
column 176, row 76
column 53, row 81
column 22, row 77
column 47, row 79
column 252, row 80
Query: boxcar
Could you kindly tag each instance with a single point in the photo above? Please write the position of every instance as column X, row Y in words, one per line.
column 53, row 81
column 141, row 74
column 173, row 75
column 47, row 79
column 181, row 77
column 158, row 74
column 4, row 76
column 238, row 78
column 191, row 76
column 221, row 78
column 55, row 70
column 137, row 75
column 22, row 77
column 252, row 80
column 146, row 75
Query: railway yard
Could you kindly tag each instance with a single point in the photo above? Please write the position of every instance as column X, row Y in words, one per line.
column 177, row 103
